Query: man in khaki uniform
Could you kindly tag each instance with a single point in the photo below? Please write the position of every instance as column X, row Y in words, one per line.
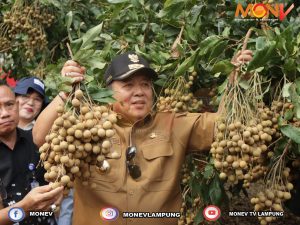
column 151, row 147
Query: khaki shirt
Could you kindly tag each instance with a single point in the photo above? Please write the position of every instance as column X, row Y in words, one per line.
column 162, row 142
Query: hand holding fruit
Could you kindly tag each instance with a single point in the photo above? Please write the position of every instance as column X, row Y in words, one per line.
column 74, row 70
column 40, row 198
column 239, row 59
column 242, row 57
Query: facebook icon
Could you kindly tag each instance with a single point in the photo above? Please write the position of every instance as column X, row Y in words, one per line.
column 16, row 214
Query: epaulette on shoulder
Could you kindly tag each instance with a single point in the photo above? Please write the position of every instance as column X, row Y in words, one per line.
column 179, row 114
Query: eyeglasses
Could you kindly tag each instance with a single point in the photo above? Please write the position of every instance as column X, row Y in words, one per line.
column 134, row 170
column 35, row 100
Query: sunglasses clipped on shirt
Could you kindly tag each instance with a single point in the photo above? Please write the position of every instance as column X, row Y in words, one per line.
column 134, row 170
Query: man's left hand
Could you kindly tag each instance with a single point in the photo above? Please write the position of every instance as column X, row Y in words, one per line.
column 242, row 57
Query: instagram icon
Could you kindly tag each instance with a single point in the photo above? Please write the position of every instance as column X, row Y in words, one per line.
column 109, row 214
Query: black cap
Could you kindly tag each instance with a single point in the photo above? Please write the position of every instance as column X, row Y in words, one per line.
column 125, row 65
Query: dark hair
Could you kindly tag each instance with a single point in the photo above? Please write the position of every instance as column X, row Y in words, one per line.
column 3, row 83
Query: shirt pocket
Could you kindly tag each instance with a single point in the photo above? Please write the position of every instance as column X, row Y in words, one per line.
column 157, row 160
column 112, row 179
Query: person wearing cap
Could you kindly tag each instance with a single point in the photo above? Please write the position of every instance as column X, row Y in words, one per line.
column 30, row 93
column 19, row 174
column 150, row 146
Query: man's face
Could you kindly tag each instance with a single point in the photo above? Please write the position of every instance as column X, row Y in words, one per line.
column 134, row 97
column 9, row 111
column 30, row 105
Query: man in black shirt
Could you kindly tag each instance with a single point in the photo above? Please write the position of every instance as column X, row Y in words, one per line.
column 18, row 160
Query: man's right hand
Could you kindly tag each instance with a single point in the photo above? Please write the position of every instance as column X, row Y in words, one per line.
column 74, row 70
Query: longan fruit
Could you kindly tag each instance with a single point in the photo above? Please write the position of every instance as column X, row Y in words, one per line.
column 107, row 125
column 109, row 133
column 75, row 102
column 106, row 144
column 78, row 134
column 78, row 94
column 101, row 132
column 65, row 179
column 112, row 118
column 222, row 176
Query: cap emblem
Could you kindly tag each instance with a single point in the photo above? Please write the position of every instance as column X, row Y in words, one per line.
column 133, row 58
column 39, row 83
column 135, row 66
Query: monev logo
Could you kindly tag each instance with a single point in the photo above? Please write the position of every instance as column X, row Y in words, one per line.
column 261, row 10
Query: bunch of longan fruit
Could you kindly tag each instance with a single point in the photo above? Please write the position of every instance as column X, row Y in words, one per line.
column 272, row 198
column 177, row 96
column 29, row 21
column 79, row 138
column 239, row 149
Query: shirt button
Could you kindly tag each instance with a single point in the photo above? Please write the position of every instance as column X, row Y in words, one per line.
column 131, row 192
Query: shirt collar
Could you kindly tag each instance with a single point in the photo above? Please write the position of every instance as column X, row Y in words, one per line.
column 29, row 126
column 20, row 135
column 123, row 122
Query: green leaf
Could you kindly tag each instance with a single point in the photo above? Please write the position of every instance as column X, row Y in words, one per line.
column 295, row 148
column 106, row 37
column 204, row 190
column 259, row 69
column 199, row 217
column 208, row 171
column 195, row 13
column 207, row 44
column 95, row 63
column 217, row 50
column 226, row 32
column 215, row 191
column 297, row 83
column 281, row 121
column 83, row 56
column 289, row 65
column 102, row 93
column 183, row 67
column 90, row 35
column 69, row 19
column 169, row 3
column 285, row 90
column 288, row 115
column 282, row 142
column 222, row 87
column 75, row 45
column 287, row 35
column 65, row 88
column 55, row 3
column 295, row 97
column 260, row 43
column 291, row 132
column 244, row 84
column 105, row 100
column 116, row 1
column 172, row 9
column 191, row 34
column 261, row 57
column 277, row 30
column 224, row 67
column 217, row 74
